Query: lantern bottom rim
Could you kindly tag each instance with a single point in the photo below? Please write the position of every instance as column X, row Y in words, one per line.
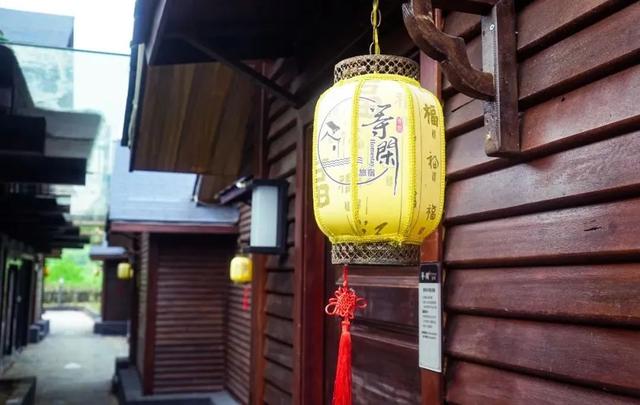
column 375, row 253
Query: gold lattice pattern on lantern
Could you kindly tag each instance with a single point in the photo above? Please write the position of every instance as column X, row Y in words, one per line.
column 377, row 253
column 385, row 64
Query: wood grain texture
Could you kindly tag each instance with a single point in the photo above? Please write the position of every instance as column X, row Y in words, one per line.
column 193, row 119
column 142, row 319
column 601, row 294
column 599, row 231
column 543, row 22
column 191, row 287
column 476, row 384
column 281, row 135
column 582, row 57
column 603, row 169
column 239, row 331
column 462, row 114
column 598, row 357
column 557, row 124
column 540, row 287
column 463, row 25
column 384, row 367
column 238, row 345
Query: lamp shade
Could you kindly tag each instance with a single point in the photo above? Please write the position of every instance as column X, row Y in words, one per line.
column 241, row 270
column 125, row 271
column 378, row 161
column 268, row 217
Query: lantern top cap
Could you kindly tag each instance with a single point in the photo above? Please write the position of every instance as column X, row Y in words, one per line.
column 385, row 64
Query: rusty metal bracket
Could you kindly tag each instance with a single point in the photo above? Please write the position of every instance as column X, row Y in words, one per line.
column 496, row 84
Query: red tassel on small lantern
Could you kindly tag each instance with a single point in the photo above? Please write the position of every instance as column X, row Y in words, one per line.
column 246, row 293
column 344, row 305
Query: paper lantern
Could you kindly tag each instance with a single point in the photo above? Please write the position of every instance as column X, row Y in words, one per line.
column 241, row 270
column 125, row 271
column 378, row 161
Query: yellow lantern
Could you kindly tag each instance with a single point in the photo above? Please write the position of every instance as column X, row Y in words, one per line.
column 241, row 270
column 378, row 161
column 125, row 271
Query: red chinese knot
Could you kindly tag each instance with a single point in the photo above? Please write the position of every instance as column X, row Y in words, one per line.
column 346, row 301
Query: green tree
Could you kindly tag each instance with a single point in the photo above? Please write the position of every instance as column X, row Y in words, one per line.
column 76, row 268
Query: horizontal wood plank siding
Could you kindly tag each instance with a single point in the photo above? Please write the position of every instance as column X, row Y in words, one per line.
column 282, row 134
column 238, row 336
column 192, row 288
column 541, row 251
column 143, row 279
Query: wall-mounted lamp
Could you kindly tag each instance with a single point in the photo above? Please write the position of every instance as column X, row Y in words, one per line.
column 268, row 217
column 268, row 200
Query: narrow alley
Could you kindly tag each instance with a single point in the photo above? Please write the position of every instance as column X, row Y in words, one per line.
column 72, row 364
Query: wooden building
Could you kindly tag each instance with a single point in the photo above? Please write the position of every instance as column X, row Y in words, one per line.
column 180, row 254
column 115, row 300
column 539, row 251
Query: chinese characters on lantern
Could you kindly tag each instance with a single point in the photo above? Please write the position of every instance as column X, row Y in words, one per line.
column 385, row 148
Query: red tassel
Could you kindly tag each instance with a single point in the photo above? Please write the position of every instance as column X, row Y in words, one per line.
column 342, row 383
column 245, row 297
column 344, row 304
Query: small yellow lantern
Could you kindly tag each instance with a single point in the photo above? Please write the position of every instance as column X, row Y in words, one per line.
column 125, row 271
column 378, row 161
column 241, row 270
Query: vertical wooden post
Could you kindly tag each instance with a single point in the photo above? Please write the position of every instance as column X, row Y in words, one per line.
column 309, row 279
column 134, row 257
column 259, row 282
column 432, row 383
column 150, row 317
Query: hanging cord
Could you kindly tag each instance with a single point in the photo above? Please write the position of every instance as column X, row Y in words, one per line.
column 376, row 19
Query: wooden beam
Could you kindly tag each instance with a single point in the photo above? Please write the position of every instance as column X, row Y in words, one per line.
column 465, row 6
column 42, row 169
column 165, row 227
column 17, row 229
column 16, row 210
column 309, row 279
column 54, row 219
column 58, row 245
column 432, row 383
column 243, row 69
column 154, row 40
column 22, row 134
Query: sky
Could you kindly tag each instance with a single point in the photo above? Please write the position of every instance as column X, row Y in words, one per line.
column 99, row 25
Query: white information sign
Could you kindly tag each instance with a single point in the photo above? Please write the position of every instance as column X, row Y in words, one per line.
column 430, row 317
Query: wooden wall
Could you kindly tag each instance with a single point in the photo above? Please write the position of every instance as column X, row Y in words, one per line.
column 281, row 133
column 143, row 296
column 186, row 300
column 541, row 253
column 116, row 293
column 541, row 289
column 238, row 339
column 192, row 279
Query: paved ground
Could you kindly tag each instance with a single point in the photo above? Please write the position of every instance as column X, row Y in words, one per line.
column 73, row 366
